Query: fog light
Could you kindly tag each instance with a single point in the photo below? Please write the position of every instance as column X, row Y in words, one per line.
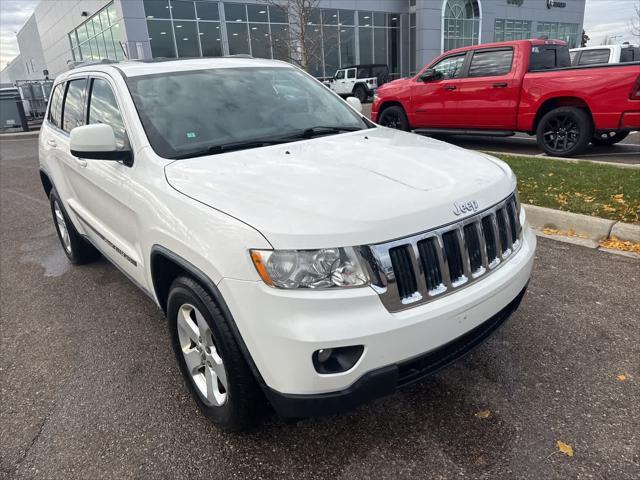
column 336, row 360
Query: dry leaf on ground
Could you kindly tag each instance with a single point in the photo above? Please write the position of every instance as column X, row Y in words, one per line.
column 622, row 377
column 617, row 244
column 565, row 448
column 483, row 414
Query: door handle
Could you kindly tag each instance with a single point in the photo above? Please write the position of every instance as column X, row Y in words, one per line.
column 500, row 85
column 449, row 87
column 81, row 161
column 52, row 143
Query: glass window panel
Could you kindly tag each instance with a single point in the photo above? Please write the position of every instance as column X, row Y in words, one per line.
column 347, row 46
column 89, row 27
column 55, row 112
column 85, row 51
column 238, row 38
column 73, row 110
column 183, row 9
column 366, row 44
column 152, row 9
column 380, row 45
column 450, row 67
column 210, row 39
column 161, row 38
column 97, row 27
column 412, row 20
column 186, row 39
column 346, row 17
column 115, row 33
column 393, row 49
column 207, row 10
column 330, row 45
column 393, row 20
column 104, row 18
column 103, row 108
column 258, row 13
column 73, row 40
column 260, row 40
column 379, row 19
column 113, row 15
column 590, row 57
column 95, row 52
column 110, row 47
column 487, row 64
column 330, row 17
column 280, row 41
column 315, row 63
column 235, row 12
column 365, row 19
column 278, row 14
column 314, row 17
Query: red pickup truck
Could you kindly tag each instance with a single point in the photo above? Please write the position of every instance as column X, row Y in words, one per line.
column 519, row 86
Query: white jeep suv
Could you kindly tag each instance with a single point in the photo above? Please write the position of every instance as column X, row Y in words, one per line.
column 301, row 253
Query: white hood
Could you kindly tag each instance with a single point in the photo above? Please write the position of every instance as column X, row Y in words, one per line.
column 349, row 189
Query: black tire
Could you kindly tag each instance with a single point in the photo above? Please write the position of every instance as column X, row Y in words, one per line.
column 564, row 132
column 608, row 138
column 360, row 93
column 78, row 250
column 394, row 117
column 244, row 404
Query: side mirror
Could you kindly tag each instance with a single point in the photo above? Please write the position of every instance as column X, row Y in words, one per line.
column 97, row 142
column 428, row 75
column 355, row 103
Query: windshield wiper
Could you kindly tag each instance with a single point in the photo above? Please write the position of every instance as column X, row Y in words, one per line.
column 229, row 147
column 322, row 130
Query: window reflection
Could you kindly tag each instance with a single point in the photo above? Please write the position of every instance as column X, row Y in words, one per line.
column 103, row 108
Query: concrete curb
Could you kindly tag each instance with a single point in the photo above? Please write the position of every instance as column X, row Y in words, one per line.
column 587, row 231
column 10, row 136
column 563, row 159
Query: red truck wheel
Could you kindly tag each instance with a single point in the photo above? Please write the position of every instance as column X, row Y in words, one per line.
column 564, row 132
column 394, row 117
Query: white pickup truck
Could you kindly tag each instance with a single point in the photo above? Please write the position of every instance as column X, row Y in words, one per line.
column 605, row 54
column 301, row 253
column 361, row 81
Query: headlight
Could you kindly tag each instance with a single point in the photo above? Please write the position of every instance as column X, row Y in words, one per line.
column 325, row 268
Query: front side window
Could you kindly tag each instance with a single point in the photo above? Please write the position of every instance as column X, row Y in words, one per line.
column 450, row 67
column 591, row 57
column 287, row 104
column 103, row 108
column 492, row 63
column 73, row 111
column 339, row 74
column 55, row 109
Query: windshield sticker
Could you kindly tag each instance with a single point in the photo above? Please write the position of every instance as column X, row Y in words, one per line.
column 191, row 135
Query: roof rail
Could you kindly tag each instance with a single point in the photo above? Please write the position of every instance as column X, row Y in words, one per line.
column 239, row 55
column 85, row 63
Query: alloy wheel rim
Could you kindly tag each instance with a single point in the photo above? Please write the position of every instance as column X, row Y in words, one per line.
column 62, row 227
column 561, row 133
column 391, row 121
column 204, row 363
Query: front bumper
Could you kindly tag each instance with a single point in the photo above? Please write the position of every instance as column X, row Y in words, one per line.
column 282, row 329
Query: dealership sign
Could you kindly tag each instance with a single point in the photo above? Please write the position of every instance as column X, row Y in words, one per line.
column 556, row 3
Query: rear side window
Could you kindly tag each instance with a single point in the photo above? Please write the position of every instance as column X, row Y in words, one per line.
column 364, row 73
column 491, row 63
column 630, row 54
column 591, row 57
column 55, row 109
column 73, row 111
column 450, row 67
column 103, row 108
column 545, row 57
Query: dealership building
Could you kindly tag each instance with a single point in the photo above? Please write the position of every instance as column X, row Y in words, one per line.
column 404, row 34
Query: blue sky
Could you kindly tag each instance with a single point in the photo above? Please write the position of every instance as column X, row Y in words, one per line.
column 602, row 18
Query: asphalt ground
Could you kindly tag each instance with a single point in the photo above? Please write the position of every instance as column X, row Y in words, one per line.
column 90, row 388
column 627, row 151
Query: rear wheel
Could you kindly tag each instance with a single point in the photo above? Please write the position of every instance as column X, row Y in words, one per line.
column 360, row 93
column 210, row 359
column 564, row 132
column 394, row 117
column 608, row 138
column 76, row 248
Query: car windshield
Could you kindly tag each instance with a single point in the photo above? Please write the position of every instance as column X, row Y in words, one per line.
column 193, row 113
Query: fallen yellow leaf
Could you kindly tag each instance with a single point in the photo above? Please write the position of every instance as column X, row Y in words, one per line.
column 565, row 448
column 622, row 377
column 616, row 244
column 483, row 414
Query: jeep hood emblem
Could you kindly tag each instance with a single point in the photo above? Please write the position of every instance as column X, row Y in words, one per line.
column 465, row 207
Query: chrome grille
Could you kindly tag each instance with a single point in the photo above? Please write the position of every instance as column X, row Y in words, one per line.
column 414, row 270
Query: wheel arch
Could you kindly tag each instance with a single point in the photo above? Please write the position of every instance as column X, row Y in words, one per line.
column 166, row 266
column 564, row 101
column 359, row 84
column 393, row 103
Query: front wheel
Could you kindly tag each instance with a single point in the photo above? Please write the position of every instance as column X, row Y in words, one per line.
column 210, row 359
column 394, row 117
column 564, row 132
column 608, row 138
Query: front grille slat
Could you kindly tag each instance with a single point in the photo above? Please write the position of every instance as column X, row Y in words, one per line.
column 418, row 269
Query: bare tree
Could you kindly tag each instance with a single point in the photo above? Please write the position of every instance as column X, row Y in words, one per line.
column 634, row 23
column 303, row 40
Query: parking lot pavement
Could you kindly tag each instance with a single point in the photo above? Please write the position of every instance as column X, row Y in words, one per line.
column 627, row 151
column 90, row 388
